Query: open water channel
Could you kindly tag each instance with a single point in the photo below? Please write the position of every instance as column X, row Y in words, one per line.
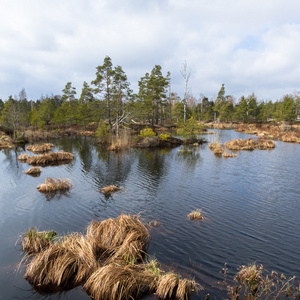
column 251, row 205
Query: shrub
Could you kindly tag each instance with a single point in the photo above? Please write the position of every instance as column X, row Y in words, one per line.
column 102, row 132
column 164, row 136
column 147, row 132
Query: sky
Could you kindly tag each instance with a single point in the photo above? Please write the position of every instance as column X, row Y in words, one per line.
column 249, row 45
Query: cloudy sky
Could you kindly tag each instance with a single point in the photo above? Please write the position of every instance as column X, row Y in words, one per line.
column 250, row 46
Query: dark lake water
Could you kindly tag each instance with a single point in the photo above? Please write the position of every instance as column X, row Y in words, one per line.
column 251, row 205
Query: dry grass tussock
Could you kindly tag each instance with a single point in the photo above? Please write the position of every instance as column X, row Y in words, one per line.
column 115, row 281
column 23, row 157
column 125, row 237
column 107, row 261
column 170, row 285
column 196, row 214
column 226, row 154
column 40, row 148
column 33, row 171
column 53, row 185
column 5, row 141
column 65, row 264
column 49, row 158
column 34, row 241
column 249, row 144
column 110, row 189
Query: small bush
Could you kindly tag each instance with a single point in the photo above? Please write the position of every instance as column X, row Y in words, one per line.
column 147, row 132
column 164, row 136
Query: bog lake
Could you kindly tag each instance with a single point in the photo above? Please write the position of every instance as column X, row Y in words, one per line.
column 251, row 205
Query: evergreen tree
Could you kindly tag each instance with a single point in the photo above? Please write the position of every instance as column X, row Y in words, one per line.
column 103, row 83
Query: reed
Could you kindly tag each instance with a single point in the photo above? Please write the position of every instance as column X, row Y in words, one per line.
column 196, row 214
column 34, row 241
column 40, row 148
column 33, row 171
column 64, row 265
column 115, row 281
column 23, row 157
column 110, row 189
column 49, row 158
column 53, row 185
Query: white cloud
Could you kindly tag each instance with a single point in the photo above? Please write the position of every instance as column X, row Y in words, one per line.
column 248, row 45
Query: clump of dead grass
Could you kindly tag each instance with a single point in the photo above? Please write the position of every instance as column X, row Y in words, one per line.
column 34, row 241
column 107, row 261
column 240, row 144
column 125, row 237
column 40, row 148
column 115, row 281
column 226, row 154
column 196, row 214
column 51, row 158
column 264, row 144
column 110, row 189
column 23, row 157
column 33, row 171
column 65, row 264
column 53, row 185
column 249, row 144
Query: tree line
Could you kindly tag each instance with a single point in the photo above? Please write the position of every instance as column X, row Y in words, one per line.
column 109, row 97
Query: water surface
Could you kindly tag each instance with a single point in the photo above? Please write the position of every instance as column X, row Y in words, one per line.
column 251, row 205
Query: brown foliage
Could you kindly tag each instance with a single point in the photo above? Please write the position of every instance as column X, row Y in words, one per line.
column 110, row 189
column 40, row 148
column 23, row 157
column 49, row 158
column 53, row 185
column 33, row 171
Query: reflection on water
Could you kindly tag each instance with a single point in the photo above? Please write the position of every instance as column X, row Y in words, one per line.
column 251, row 204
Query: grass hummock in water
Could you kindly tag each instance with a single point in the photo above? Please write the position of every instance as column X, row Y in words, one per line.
column 51, row 158
column 196, row 214
column 110, row 189
column 33, row 171
column 23, row 157
column 107, row 261
column 53, row 185
column 36, row 241
column 249, row 144
column 40, row 148
column 64, row 265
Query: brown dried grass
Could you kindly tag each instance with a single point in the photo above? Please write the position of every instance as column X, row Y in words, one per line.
column 33, row 171
column 290, row 138
column 110, row 189
column 34, row 241
column 40, row 148
column 196, row 214
column 65, row 264
column 53, row 185
column 185, row 288
column 125, row 238
column 116, row 281
column 240, row 144
column 23, row 157
column 265, row 144
column 213, row 146
column 49, row 158
column 226, row 154
column 167, row 286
